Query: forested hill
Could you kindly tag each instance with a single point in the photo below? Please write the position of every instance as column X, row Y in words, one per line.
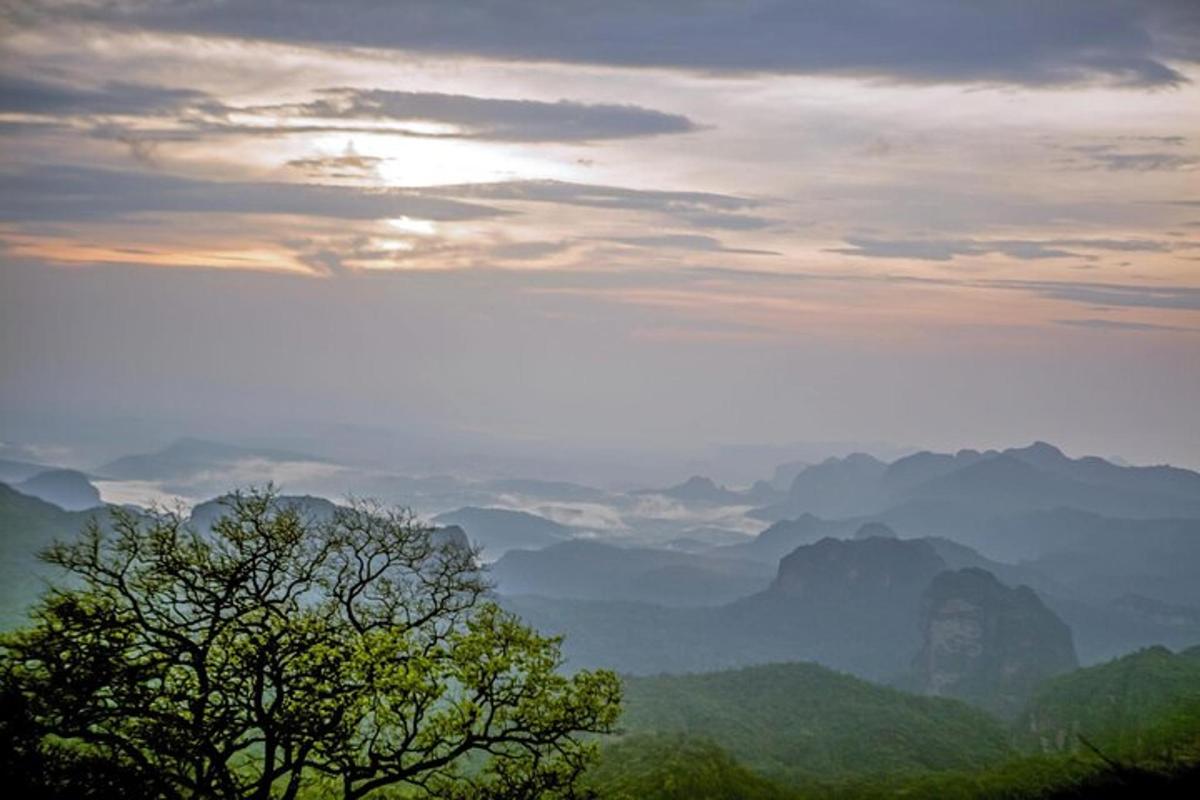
column 800, row 721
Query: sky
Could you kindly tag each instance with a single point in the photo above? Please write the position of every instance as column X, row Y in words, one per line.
column 578, row 226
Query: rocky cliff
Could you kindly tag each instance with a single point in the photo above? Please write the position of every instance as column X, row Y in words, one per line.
column 988, row 643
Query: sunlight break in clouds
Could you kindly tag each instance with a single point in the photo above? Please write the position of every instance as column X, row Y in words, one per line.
column 763, row 177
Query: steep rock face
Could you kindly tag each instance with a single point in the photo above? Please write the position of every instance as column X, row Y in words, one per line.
column 988, row 643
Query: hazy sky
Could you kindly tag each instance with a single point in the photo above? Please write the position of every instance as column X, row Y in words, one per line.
column 650, row 224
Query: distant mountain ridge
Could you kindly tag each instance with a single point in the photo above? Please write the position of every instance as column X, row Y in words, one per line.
column 700, row 490
column 988, row 483
column 853, row 605
column 184, row 457
column 66, row 488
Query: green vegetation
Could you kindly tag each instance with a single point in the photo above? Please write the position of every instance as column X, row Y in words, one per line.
column 800, row 731
column 1139, row 703
column 676, row 767
column 27, row 526
column 274, row 656
column 798, row 722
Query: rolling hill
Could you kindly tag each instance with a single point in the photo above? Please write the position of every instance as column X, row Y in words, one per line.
column 798, row 722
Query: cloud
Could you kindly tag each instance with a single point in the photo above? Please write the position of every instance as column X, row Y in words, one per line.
column 488, row 118
column 703, row 244
column 189, row 115
column 1186, row 298
column 1118, row 158
column 1022, row 249
column 1125, row 42
column 528, row 251
column 1119, row 325
column 1128, row 154
column 1144, row 162
column 65, row 193
column 349, row 165
column 45, row 193
column 20, row 95
column 698, row 209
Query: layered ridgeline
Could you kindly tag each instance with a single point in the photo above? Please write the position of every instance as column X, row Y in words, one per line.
column 848, row 604
column 862, row 605
column 973, row 486
column 1097, row 530
column 594, row 591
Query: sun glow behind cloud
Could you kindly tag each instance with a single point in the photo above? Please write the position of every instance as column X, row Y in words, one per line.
column 890, row 201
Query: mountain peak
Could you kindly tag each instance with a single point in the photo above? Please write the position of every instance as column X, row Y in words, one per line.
column 857, row 569
column 700, row 489
column 870, row 530
column 1039, row 454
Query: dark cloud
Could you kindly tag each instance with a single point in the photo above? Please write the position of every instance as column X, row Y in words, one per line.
column 697, row 209
column 61, row 193
column 1144, row 162
column 337, row 110
column 20, row 95
column 1093, row 294
column 350, row 165
column 1185, row 298
column 1025, row 250
column 1116, row 157
column 465, row 117
column 1129, row 42
column 1118, row 325
column 64, row 193
column 597, row 196
column 490, row 118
